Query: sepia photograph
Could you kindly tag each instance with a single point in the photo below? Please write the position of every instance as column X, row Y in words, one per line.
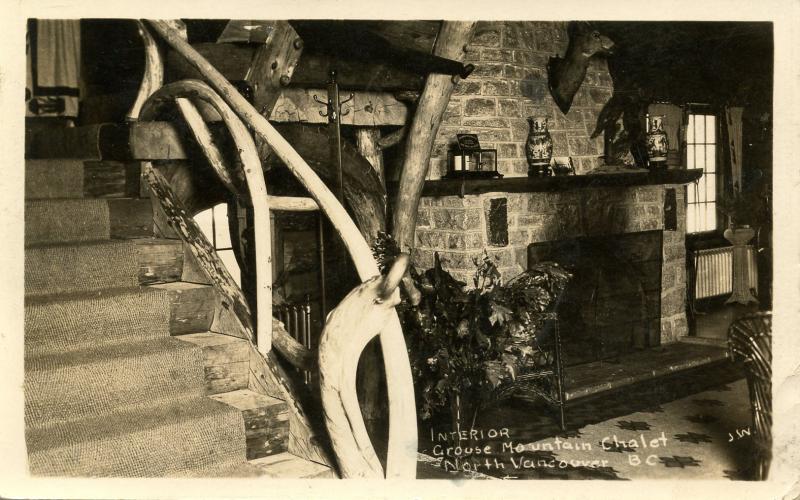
column 440, row 249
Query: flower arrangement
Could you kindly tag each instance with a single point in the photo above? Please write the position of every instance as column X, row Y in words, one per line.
column 465, row 342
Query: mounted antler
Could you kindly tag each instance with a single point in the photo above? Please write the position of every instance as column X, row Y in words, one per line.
column 362, row 315
column 565, row 76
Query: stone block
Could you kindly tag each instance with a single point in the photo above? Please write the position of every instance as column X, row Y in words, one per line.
column 507, row 150
column 513, row 71
column 580, row 146
column 485, row 123
column 495, row 88
column 497, row 55
column 509, row 108
column 467, row 87
column 488, row 70
column 673, row 301
column 487, row 34
column 423, row 218
column 478, row 106
column 456, row 219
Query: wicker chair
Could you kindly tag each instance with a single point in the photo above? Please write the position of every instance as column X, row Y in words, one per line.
column 750, row 344
column 541, row 383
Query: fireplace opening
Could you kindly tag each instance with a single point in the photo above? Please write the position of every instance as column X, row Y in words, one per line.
column 612, row 306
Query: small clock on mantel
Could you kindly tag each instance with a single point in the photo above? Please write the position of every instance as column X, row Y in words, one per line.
column 467, row 160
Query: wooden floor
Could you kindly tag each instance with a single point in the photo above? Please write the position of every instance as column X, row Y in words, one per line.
column 600, row 376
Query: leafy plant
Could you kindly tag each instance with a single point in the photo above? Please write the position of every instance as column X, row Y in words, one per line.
column 745, row 207
column 465, row 342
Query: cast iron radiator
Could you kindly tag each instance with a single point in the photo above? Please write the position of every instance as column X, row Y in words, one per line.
column 714, row 271
column 296, row 318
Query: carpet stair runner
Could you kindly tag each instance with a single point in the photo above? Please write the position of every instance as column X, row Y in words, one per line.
column 122, row 376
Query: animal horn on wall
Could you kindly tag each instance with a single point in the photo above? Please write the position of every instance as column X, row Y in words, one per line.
column 565, row 76
column 393, row 277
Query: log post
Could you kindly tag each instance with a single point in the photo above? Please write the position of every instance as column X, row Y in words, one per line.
column 367, row 142
column 453, row 37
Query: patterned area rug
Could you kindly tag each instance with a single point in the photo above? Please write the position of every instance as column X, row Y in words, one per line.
column 690, row 426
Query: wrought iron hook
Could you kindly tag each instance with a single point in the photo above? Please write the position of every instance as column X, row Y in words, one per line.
column 327, row 105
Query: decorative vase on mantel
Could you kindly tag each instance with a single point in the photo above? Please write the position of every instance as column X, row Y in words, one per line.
column 538, row 147
column 657, row 143
column 739, row 237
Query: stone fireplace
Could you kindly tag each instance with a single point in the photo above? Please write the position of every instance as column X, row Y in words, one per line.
column 620, row 227
column 612, row 305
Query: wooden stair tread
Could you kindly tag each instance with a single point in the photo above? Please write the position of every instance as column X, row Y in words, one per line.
column 245, row 399
column 287, row 466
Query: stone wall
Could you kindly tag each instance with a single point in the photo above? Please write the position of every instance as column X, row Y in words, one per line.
column 458, row 228
column 509, row 84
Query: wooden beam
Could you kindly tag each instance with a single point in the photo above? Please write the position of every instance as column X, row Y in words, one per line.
column 453, row 38
column 367, row 109
column 292, row 203
column 312, row 71
column 273, row 64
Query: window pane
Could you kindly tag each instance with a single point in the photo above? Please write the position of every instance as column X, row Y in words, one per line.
column 203, row 220
column 699, row 129
column 691, row 193
column 711, row 187
column 690, row 131
column 690, row 154
column 691, row 215
column 221, row 226
column 227, row 258
column 711, row 159
column 701, row 189
column 711, row 217
column 711, row 128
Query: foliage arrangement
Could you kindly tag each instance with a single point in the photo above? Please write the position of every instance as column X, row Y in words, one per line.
column 745, row 207
column 465, row 342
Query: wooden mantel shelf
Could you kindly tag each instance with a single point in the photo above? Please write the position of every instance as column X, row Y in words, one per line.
column 450, row 187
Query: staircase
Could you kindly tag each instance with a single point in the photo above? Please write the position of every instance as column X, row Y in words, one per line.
column 122, row 376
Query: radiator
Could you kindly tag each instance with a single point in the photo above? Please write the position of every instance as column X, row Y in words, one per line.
column 714, row 272
column 296, row 318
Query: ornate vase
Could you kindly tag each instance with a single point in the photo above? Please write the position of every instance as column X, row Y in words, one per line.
column 657, row 143
column 538, row 147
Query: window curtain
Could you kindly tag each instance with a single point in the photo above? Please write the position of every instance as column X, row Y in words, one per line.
column 733, row 122
column 54, row 64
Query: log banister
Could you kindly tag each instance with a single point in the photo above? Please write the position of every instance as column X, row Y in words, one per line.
column 402, row 446
column 254, row 180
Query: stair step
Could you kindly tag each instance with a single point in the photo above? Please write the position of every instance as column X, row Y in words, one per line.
column 93, row 266
column 57, row 178
column 63, row 220
column 98, row 381
column 66, row 323
column 288, row 466
column 176, row 439
column 74, row 178
column 266, row 421
column 192, row 306
column 226, row 360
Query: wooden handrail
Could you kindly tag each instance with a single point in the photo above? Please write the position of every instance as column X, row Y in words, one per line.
column 153, row 76
column 254, row 176
column 402, row 446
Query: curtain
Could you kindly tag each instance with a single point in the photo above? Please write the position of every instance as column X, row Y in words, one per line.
column 54, row 63
column 733, row 121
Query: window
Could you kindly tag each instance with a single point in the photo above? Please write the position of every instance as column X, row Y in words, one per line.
column 701, row 152
column 214, row 224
